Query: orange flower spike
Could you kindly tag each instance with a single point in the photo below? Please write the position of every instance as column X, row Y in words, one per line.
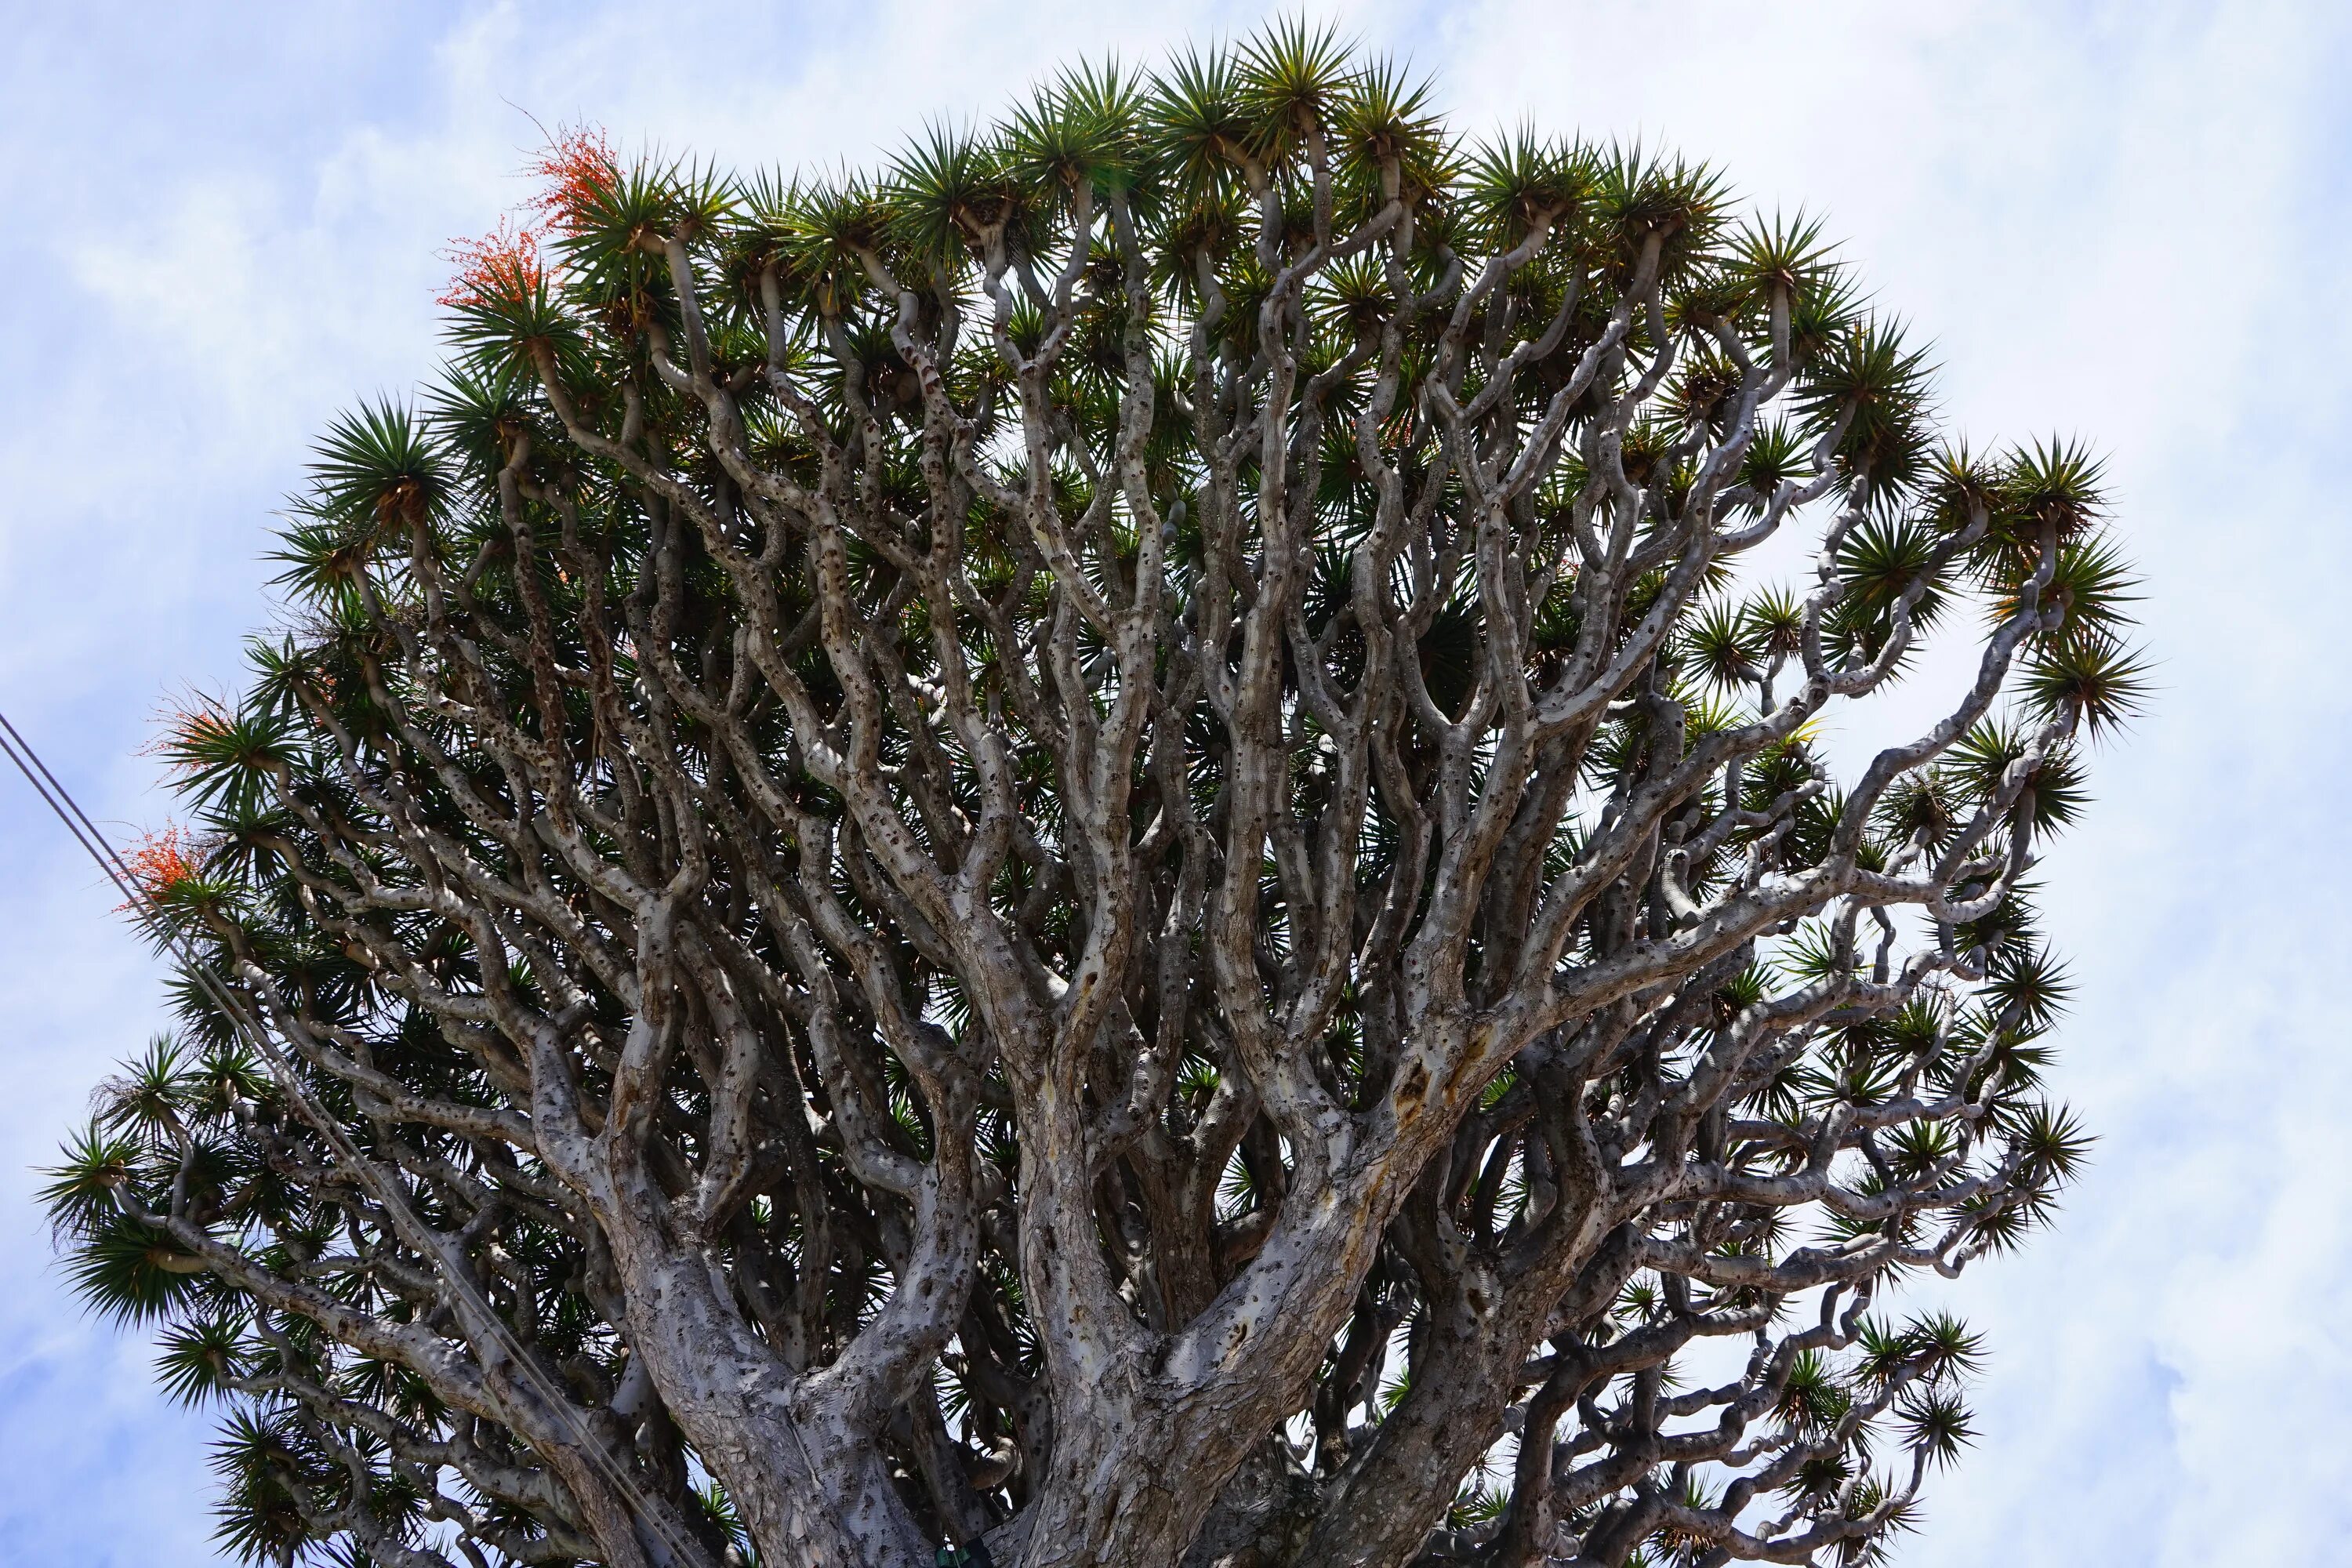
column 502, row 268
column 581, row 170
column 160, row 863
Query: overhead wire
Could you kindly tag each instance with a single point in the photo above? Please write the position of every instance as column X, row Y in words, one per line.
column 673, row 1547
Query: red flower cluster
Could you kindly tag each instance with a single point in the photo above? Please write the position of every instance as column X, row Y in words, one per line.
column 159, row 863
column 581, row 170
column 500, row 267
column 503, row 267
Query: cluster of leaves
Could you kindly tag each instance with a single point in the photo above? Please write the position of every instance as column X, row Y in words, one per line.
column 321, row 1445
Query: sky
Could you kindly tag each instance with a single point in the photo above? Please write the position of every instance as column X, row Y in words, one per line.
column 2123, row 221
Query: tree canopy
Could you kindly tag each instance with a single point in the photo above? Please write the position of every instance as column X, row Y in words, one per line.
column 1113, row 847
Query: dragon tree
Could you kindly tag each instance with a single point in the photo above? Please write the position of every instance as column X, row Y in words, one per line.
column 1134, row 843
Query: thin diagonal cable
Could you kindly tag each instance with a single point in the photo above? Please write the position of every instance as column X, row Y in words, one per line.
column 93, row 841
